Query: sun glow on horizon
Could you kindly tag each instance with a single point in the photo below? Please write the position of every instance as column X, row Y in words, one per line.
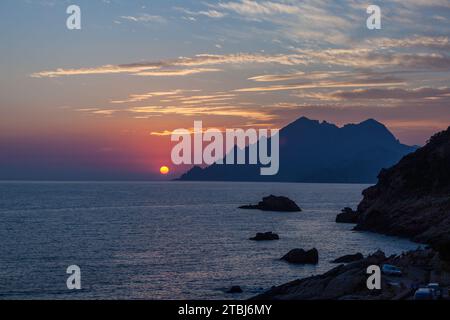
column 164, row 170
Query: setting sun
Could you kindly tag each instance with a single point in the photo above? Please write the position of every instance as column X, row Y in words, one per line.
column 164, row 170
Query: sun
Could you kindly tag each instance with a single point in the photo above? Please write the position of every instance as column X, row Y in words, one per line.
column 164, row 170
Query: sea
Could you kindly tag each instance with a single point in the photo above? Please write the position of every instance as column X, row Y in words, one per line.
column 169, row 240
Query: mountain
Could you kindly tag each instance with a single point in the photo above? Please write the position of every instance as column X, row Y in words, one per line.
column 412, row 199
column 313, row 151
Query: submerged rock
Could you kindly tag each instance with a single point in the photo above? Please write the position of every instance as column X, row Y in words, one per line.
column 301, row 256
column 274, row 203
column 349, row 258
column 347, row 215
column 235, row 289
column 265, row 236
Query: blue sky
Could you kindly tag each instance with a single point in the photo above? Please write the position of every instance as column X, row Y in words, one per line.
column 139, row 69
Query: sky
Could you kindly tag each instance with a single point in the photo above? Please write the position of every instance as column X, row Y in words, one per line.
column 100, row 102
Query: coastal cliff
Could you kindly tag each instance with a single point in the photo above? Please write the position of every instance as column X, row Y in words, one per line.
column 412, row 198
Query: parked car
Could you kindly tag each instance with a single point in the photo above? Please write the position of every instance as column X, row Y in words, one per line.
column 424, row 294
column 391, row 270
column 437, row 291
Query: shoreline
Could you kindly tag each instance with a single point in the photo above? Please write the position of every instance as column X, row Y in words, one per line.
column 349, row 281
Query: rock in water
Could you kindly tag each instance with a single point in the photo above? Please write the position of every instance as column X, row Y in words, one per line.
column 349, row 258
column 412, row 198
column 347, row 215
column 265, row 236
column 274, row 203
column 301, row 256
column 235, row 289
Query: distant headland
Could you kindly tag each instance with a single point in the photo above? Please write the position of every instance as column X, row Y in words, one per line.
column 319, row 152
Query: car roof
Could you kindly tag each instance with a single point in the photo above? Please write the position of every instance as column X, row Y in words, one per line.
column 390, row 266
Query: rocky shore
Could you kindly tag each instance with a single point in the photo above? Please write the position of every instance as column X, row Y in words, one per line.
column 411, row 199
column 348, row 281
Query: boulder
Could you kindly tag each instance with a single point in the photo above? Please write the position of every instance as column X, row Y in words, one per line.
column 274, row 203
column 265, row 236
column 349, row 258
column 301, row 256
column 347, row 215
column 235, row 289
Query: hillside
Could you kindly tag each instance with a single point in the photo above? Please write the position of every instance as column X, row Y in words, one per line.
column 412, row 199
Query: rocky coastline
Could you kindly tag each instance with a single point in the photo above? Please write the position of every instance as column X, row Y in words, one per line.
column 411, row 199
column 348, row 281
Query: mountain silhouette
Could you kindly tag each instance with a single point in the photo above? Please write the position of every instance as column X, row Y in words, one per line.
column 319, row 152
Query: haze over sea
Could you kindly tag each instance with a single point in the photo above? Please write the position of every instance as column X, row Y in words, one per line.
column 168, row 240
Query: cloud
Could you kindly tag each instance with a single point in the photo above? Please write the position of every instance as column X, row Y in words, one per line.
column 144, row 112
column 177, row 97
column 298, row 20
column 278, row 77
column 145, row 96
column 161, row 133
column 255, row 9
column 190, row 130
column 393, row 93
column 314, row 75
column 426, row 3
column 354, row 58
column 165, row 67
column 145, row 18
column 333, row 22
column 106, row 112
column 193, row 105
column 214, row 14
column 229, row 111
column 240, row 58
column 417, row 41
column 98, row 111
column 324, row 84
column 206, row 99
column 106, row 69
column 372, row 58
column 171, row 73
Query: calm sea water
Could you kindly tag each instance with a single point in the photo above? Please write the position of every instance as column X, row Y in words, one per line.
column 174, row 240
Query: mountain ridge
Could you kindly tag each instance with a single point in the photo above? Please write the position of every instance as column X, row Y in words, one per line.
column 314, row 151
